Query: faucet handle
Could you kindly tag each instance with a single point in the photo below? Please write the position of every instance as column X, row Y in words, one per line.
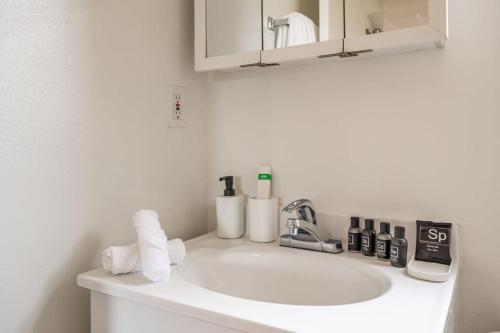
column 304, row 208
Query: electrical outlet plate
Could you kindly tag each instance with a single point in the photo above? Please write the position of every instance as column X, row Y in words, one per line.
column 176, row 107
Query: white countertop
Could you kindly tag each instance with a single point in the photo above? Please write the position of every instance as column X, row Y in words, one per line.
column 409, row 305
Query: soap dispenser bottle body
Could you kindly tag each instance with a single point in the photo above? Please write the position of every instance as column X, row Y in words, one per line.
column 229, row 212
column 384, row 242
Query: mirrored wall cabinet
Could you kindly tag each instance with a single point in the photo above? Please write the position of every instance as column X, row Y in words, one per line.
column 244, row 34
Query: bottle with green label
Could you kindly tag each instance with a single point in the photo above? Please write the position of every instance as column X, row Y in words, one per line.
column 264, row 182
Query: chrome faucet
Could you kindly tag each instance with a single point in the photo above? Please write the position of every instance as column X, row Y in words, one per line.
column 301, row 236
column 305, row 213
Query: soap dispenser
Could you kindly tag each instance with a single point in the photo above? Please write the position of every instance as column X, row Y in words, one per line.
column 229, row 210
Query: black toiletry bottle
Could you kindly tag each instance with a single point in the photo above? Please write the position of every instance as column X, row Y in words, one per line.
column 399, row 248
column 354, row 236
column 384, row 242
column 368, row 239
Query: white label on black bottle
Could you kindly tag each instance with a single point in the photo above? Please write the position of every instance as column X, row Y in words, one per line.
column 383, row 250
column 394, row 253
column 365, row 242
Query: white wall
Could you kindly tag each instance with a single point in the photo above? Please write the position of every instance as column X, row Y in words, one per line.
column 407, row 136
column 84, row 143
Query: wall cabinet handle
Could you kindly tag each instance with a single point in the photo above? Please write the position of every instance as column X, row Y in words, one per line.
column 330, row 55
column 260, row 64
column 345, row 54
column 250, row 65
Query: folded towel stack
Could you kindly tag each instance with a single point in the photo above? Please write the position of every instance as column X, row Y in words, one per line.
column 152, row 254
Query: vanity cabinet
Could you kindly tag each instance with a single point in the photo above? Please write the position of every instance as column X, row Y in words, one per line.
column 243, row 34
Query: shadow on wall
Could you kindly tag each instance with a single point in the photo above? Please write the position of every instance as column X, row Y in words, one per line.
column 65, row 295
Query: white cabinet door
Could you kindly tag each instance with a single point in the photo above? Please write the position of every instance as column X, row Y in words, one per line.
column 228, row 34
column 393, row 25
column 282, row 47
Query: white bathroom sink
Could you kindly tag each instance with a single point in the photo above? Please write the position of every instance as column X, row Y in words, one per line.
column 241, row 286
column 282, row 275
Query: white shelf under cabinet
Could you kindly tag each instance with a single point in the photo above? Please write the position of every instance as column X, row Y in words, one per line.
column 232, row 62
column 301, row 53
column 397, row 40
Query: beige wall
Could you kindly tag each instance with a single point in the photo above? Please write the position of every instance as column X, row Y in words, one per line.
column 403, row 137
column 84, row 143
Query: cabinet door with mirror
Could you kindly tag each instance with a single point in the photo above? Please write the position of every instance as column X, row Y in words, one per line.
column 228, row 33
column 394, row 24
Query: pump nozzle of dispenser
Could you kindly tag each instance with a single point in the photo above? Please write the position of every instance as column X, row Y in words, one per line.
column 229, row 190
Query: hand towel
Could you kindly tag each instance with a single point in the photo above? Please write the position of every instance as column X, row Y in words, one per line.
column 300, row 30
column 153, row 246
column 127, row 259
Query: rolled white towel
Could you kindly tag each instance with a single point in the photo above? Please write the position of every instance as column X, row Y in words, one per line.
column 176, row 251
column 153, row 246
column 121, row 259
column 127, row 259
